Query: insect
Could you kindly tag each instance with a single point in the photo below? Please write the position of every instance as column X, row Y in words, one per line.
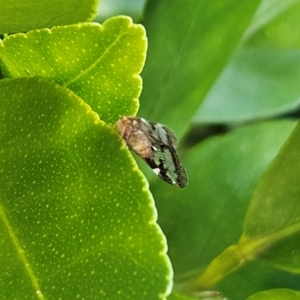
column 156, row 144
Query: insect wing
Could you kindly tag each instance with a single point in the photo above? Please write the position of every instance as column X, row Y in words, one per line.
column 156, row 144
column 166, row 164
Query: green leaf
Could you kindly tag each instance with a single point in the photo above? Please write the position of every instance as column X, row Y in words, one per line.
column 77, row 221
column 277, row 26
column 223, row 173
column 269, row 12
column 25, row 15
column 276, row 294
column 110, row 8
column 248, row 87
column 187, row 52
column 271, row 228
column 99, row 63
column 273, row 218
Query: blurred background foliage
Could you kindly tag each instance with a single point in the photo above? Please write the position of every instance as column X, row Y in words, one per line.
column 227, row 81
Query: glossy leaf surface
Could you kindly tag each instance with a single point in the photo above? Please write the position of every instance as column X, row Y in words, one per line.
column 99, row 63
column 76, row 218
column 184, row 56
column 25, row 15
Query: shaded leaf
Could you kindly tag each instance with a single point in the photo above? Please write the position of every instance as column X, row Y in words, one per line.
column 255, row 277
column 77, row 220
column 277, row 26
column 273, row 217
column 271, row 228
column 267, row 12
column 249, row 88
column 99, row 63
column 276, row 294
column 223, row 173
column 186, row 53
column 110, row 8
column 25, row 15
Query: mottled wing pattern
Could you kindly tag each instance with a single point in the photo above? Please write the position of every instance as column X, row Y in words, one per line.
column 156, row 144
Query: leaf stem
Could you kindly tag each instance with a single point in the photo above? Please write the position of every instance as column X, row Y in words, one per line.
column 235, row 256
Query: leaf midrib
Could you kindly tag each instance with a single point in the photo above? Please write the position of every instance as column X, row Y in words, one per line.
column 21, row 253
column 97, row 61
